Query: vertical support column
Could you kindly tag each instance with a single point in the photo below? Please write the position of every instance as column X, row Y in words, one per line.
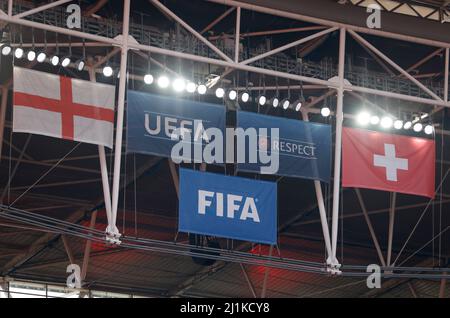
column 391, row 228
column 3, row 105
column 321, row 206
column 10, row 7
column 266, row 276
column 237, row 35
column 338, row 144
column 120, row 112
column 104, row 171
column 87, row 248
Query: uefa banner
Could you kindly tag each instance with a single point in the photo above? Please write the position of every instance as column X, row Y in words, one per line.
column 303, row 148
column 154, row 122
column 226, row 206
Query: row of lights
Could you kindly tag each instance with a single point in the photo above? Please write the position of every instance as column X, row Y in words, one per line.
column 40, row 57
column 386, row 122
column 180, row 85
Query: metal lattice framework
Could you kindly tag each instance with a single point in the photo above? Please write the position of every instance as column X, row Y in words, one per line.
column 270, row 63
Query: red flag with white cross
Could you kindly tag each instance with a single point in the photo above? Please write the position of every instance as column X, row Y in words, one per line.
column 63, row 107
column 382, row 161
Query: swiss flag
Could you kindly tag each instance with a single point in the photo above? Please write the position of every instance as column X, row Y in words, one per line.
column 382, row 161
column 63, row 107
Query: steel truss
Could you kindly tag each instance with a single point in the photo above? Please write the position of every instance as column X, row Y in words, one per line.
column 340, row 84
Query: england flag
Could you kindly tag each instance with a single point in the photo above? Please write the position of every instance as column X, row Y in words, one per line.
column 376, row 160
column 63, row 107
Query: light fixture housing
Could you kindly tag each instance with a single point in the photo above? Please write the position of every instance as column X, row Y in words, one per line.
column 41, row 57
column 191, row 87
column 6, row 48
column 163, row 81
column 55, row 60
column 65, row 61
column 417, row 127
column 179, row 85
column 201, row 89
column 108, row 71
column 31, row 55
column 148, row 79
column 374, row 120
column 297, row 105
column 429, row 129
column 220, row 92
column 245, row 96
column 386, row 122
column 285, row 103
column 275, row 102
column 18, row 53
column 363, row 118
column 80, row 65
column 232, row 94
column 407, row 125
column 398, row 124
column 262, row 100
column 325, row 111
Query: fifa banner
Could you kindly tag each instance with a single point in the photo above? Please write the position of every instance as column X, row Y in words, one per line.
column 230, row 207
column 155, row 124
column 303, row 148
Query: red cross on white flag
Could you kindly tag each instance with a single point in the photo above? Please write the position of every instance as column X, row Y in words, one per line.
column 62, row 107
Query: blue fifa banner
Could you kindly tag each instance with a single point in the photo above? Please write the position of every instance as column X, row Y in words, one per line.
column 230, row 207
column 153, row 120
column 304, row 148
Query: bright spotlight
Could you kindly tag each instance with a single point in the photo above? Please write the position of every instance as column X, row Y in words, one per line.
column 179, row 85
column 428, row 129
column 163, row 81
column 363, row 118
column 275, row 102
column 108, row 71
column 18, row 53
column 407, row 125
column 31, row 55
column 148, row 79
column 398, row 124
column 386, row 122
column 41, row 57
column 417, row 127
column 201, row 89
column 220, row 92
column 374, row 120
column 245, row 97
column 297, row 105
column 285, row 104
column 66, row 61
column 55, row 60
column 325, row 112
column 262, row 100
column 6, row 49
column 80, row 65
column 191, row 87
column 232, row 95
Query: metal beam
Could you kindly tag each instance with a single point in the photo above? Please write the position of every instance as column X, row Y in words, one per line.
column 247, row 279
column 371, row 230
column 68, row 249
column 87, row 248
column 391, row 228
column 217, row 20
column 41, row 8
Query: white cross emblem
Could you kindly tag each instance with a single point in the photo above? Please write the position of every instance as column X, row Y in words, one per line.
column 390, row 162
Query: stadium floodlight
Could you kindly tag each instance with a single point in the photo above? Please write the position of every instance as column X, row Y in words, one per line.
column 285, row 103
column 418, row 127
column 41, row 57
column 407, row 125
column 65, row 61
column 6, row 48
column 374, row 120
column 18, row 53
column 386, row 122
column 232, row 94
column 363, row 118
column 262, row 100
column 163, row 81
column 325, row 111
column 31, row 55
column 398, row 124
column 220, row 92
column 429, row 129
column 201, row 89
column 245, row 97
column 191, row 87
column 55, row 61
column 179, row 85
column 275, row 102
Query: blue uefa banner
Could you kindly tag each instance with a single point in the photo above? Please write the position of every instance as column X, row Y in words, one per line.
column 153, row 119
column 230, row 207
column 304, row 148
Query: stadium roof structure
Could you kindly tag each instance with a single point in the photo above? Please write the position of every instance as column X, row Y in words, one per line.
column 53, row 208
